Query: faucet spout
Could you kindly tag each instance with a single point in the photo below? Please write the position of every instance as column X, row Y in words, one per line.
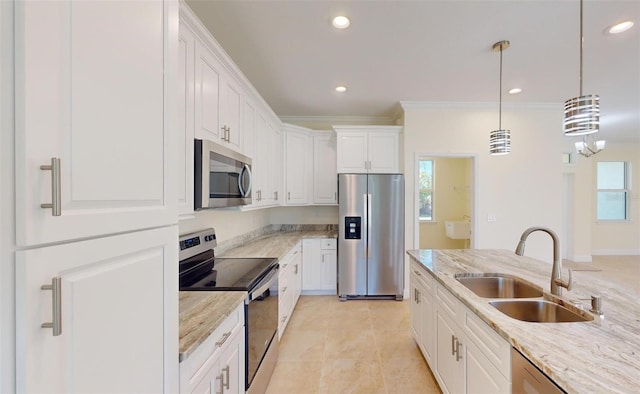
column 556, row 272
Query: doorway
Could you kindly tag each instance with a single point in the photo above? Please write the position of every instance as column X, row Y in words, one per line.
column 444, row 195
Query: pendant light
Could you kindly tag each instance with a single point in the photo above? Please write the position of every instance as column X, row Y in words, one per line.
column 582, row 113
column 500, row 140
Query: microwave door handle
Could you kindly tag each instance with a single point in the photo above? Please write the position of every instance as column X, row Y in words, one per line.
column 246, row 172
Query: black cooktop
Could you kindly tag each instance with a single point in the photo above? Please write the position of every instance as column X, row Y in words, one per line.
column 224, row 274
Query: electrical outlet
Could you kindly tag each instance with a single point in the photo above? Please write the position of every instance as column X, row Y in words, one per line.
column 491, row 217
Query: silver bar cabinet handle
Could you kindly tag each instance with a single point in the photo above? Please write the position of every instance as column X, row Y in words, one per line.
column 56, row 201
column 453, row 345
column 56, row 305
column 224, row 338
column 458, row 344
column 226, row 372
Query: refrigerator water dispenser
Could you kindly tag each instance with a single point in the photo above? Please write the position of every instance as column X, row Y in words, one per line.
column 352, row 227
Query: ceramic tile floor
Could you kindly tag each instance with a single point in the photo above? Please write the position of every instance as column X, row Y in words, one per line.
column 357, row 346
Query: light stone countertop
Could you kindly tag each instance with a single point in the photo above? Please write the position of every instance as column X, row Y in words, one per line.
column 599, row 356
column 201, row 312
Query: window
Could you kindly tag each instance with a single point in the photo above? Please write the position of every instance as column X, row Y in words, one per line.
column 426, row 190
column 612, row 190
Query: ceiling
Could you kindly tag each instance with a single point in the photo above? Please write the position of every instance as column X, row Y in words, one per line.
column 433, row 51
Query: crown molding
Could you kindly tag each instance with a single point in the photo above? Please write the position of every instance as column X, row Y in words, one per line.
column 460, row 105
column 367, row 120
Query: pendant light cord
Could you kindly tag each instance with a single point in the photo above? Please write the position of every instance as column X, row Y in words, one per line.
column 500, row 110
column 581, row 44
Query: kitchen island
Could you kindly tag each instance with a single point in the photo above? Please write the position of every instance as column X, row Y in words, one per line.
column 596, row 356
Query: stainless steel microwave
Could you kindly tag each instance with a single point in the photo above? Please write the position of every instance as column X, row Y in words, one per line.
column 222, row 176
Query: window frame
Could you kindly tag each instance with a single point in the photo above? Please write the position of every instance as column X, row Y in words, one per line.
column 626, row 190
column 432, row 190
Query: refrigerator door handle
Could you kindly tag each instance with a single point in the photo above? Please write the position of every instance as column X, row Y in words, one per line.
column 369, row 220
column 365, row 229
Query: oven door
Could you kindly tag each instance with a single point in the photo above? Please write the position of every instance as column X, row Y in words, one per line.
column 222, row 176
column 261, row 326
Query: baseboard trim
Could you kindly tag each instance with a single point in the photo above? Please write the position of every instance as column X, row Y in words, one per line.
column 616, row 252
column 580, row 258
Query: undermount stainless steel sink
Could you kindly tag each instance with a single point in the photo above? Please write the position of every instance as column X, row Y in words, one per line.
column 499, row 286
column 538, row 311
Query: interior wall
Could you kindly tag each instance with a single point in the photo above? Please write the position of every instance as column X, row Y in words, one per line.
column 452, row 201
column 519, row 190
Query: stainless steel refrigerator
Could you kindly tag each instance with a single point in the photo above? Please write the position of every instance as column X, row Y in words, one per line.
column 371, row 236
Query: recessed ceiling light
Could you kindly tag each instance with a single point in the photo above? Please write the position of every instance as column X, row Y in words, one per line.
column 515, row 91
column 341, row 22
column 341, row 89
column 619, row 27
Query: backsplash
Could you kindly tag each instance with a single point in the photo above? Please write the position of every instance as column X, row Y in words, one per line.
column 252, row 235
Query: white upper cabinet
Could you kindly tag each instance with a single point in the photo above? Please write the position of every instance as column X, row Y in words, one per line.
column 325, row 176
column 91, row 83
column 368, row 149
column 207, row 111
column 185, row 111
column 276, row 164
column 231, row 94
column 218, row 95
column 298, row 165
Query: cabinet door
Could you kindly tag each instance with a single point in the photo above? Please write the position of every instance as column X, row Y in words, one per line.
column 185, row 132
column 450, row 370
column 276, row 165
column 118, row 306
column 249, row 129
column 352, row 153
column 232, row 364
column 415, row 312
column 480, row 375
column 312, row 264
column 260, row 160
column 231, row 103
column 208, row 79
column 298, row 168
column 325, row 175
column 93, row 82
column 383, row 152
column 428, row 341
column 329, row 276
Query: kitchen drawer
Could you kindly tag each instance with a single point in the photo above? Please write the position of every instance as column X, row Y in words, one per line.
column 425, row 278
column 329, row 244
column 491, row 344
column 203, row 358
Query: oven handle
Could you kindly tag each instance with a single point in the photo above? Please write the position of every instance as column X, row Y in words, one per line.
column 264, row 284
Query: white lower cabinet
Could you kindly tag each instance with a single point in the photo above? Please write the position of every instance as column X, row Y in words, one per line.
column 319, row 266
column 217, row 366
column 109, row 308
column 289, row 286
column 422, row 322
column 464, row 353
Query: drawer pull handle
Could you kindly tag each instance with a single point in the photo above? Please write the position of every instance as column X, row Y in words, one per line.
column 56, row 305
column 56, row 200
column 453, row 345
column 224, row 338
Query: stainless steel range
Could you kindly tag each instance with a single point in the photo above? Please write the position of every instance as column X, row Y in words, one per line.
column 200, row 270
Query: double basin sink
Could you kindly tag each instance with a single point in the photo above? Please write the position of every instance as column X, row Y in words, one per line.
column 519, row 299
